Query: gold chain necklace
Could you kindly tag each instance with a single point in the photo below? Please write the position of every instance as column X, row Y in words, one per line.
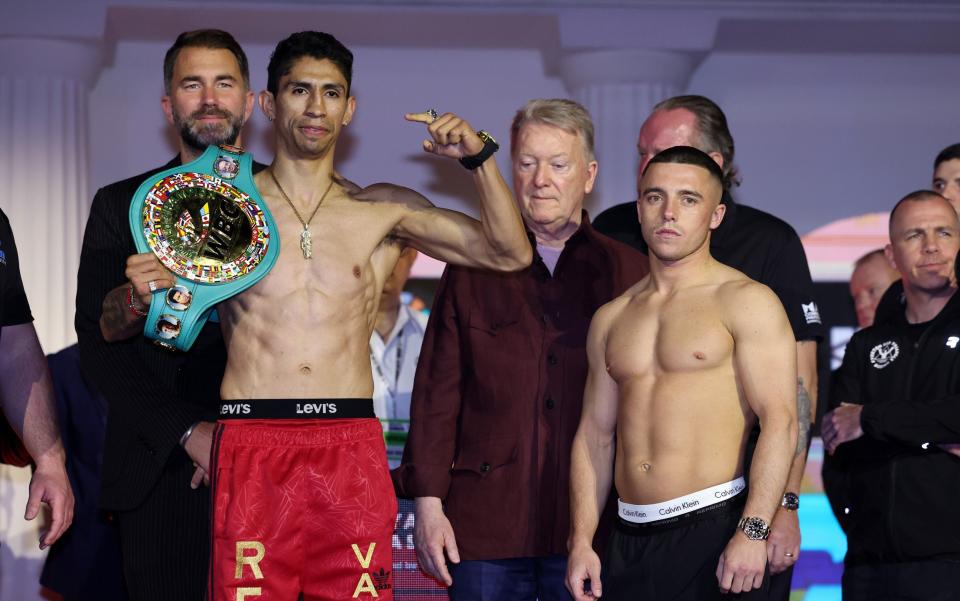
column 306, row 241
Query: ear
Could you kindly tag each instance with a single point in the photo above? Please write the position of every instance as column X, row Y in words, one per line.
column 592, row 168
column 167, row 104
column 888, row 253
column 717, row 158
column 717, row 217
column 267, row 106
column 351, row 107
column 248, row 106
column 639, row 218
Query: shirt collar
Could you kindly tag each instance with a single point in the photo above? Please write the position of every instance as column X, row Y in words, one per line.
column 584, row 233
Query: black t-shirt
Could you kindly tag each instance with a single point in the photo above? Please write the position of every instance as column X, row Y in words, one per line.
column 14, row 309
column 763, row 247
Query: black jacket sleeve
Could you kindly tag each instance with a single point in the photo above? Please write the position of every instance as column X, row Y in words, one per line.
column 913, row 423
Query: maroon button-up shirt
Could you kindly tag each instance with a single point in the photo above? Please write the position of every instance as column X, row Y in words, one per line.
column 498, row 392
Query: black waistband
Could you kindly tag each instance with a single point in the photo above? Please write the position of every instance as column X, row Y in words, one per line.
column 734, row 505
column 296, row 409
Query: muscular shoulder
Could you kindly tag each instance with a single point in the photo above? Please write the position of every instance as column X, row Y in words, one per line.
column 392, row 194
column 748, row 303
column 741, row 293
column 609, row 312
column 603, row 319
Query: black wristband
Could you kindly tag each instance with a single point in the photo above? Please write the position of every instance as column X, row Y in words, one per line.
column 490, row 146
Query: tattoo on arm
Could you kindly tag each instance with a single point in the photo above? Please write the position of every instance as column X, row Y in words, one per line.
column 117, row 321
column 803, row 417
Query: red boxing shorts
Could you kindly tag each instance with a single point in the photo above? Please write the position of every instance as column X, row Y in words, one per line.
column 302, row 502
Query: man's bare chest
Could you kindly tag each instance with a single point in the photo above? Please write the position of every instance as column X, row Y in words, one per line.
column 681, row 335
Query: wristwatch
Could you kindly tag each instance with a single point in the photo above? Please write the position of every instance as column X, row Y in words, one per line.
column 754, row 528
column 490, row 146
column 790, row 502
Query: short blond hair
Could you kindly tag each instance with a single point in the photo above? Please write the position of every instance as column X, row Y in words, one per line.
column 561, row 113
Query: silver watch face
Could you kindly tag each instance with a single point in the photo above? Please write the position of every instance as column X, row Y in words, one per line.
column 791, row 501
column 754, row 528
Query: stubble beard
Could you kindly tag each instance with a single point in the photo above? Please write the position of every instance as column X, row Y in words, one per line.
column 198, row 135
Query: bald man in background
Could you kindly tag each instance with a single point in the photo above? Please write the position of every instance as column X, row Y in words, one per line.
column 872, row 275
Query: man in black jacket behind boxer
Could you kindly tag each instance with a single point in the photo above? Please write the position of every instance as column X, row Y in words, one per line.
column 155, row 397
column 893, row 434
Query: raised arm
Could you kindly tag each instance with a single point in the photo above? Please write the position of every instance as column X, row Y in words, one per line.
column 498, row 240
column 591, row 461
column 765, row 361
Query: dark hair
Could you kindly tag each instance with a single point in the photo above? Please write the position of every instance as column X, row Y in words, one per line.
column 214, row 39
column 947, row 154
column 314, row 44
column 687, row 155
column 712, row 131
column 916, row 196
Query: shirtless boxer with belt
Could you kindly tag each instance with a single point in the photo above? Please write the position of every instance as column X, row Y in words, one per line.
column 303, row 504
column 680, row 366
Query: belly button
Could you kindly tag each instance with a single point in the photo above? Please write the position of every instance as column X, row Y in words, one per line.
column 305, row 370
column 646, row 467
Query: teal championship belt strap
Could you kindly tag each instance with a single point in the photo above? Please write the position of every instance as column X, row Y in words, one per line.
column 207, row 224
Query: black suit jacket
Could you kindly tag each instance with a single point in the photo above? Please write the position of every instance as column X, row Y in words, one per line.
column 153, row 394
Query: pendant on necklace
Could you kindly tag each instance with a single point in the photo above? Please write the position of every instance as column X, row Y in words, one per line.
column 306, row 242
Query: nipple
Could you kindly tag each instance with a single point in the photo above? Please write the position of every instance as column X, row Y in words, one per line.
column 356, row 271
column 699, row 355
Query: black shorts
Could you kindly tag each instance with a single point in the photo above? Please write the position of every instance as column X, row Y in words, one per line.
column 674, row 559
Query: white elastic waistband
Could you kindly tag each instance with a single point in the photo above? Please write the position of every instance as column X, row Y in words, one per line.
column 641, row 514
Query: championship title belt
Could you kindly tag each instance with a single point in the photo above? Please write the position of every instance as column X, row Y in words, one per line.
column 207, row 224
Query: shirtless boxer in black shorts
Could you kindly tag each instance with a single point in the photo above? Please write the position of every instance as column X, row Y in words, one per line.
column 680, row 366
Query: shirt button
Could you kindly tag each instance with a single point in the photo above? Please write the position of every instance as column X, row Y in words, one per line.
column 552, row 359
column 484, row 467
column 551, row 404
